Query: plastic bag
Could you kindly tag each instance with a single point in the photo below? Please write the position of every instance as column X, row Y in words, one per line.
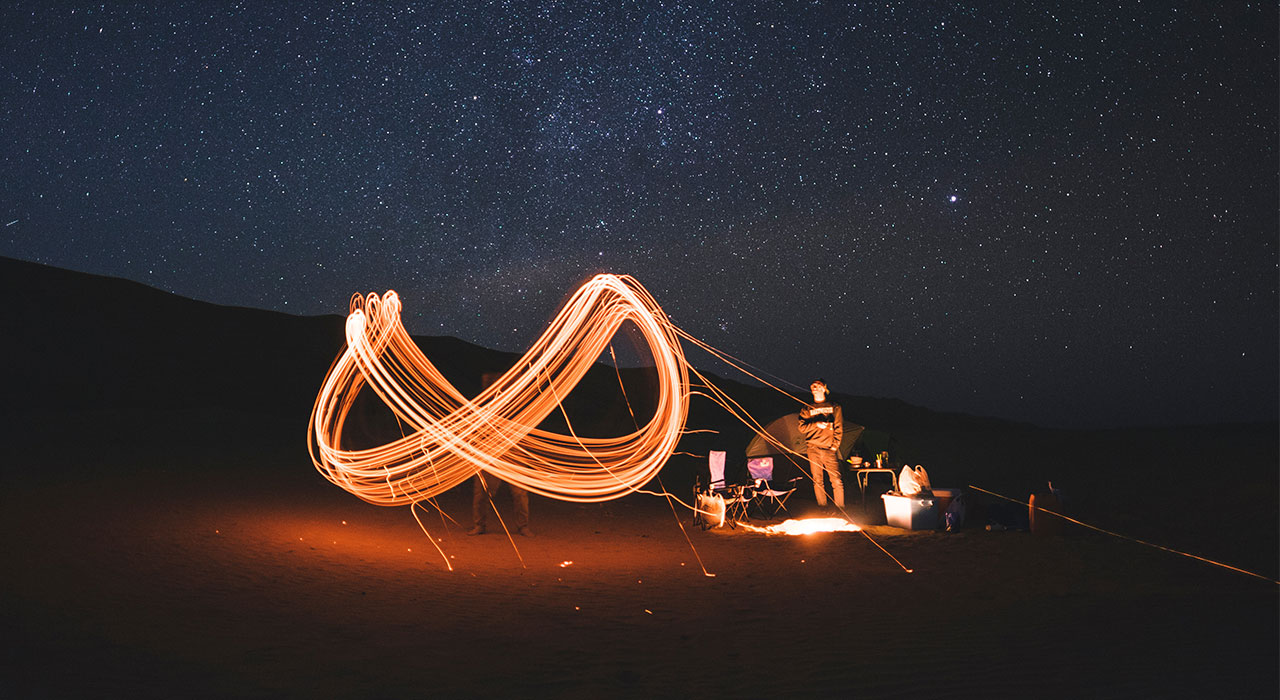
column 912, row 482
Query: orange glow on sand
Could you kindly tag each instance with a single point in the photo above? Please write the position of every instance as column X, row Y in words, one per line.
column 452, row 437
column 805, row 526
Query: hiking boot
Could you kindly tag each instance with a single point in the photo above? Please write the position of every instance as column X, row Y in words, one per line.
column 524, row 531
column 477, row 530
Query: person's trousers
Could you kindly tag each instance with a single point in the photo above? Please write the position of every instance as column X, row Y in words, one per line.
column 823, row 460
column 482, row 493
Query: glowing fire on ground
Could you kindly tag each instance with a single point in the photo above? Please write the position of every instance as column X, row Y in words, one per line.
column 451, row 437
column 805, row 526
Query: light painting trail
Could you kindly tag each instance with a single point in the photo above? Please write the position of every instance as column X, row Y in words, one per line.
column 452, row 437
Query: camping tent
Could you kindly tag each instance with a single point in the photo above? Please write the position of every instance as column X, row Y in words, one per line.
column 786, row 430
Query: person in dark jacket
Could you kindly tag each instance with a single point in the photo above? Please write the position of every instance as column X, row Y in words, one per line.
column 822, row 424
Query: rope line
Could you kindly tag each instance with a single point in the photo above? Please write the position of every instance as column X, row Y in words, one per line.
column 1127, row 537
column 886, row 552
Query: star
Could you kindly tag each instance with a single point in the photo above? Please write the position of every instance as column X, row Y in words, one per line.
column 469, row 161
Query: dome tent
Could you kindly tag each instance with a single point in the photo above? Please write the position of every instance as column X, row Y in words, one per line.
column 786, row 430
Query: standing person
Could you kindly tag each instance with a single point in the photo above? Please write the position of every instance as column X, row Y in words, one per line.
column 822, row 424
column 484, row 487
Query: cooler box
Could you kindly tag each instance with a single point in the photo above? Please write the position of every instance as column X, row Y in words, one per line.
column 910, row 512
column 944, row 497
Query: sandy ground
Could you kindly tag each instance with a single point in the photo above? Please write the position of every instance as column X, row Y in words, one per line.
column 169, row 581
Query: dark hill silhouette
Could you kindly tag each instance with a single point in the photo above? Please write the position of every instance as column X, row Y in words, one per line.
column 85, row 342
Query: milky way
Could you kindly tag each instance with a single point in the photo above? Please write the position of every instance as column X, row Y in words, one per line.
column 1055, row 212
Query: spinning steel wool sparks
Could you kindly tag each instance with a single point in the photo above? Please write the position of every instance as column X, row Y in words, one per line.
column 453, row 437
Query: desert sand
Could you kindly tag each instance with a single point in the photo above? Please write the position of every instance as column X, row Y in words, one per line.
column 207, row 569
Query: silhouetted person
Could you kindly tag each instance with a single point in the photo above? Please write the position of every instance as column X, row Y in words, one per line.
column 485, row 486
column 822, row 424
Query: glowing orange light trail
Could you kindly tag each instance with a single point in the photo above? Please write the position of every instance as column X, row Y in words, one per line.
column 453, row 437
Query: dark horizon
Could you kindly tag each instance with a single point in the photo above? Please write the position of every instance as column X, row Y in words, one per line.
column 95, row 294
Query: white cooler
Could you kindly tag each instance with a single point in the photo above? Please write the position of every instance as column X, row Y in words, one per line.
column 910, row 512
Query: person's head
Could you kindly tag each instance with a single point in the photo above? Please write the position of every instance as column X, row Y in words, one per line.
column 819, row 390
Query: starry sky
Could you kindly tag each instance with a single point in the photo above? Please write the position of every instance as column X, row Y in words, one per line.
column 1063, row 213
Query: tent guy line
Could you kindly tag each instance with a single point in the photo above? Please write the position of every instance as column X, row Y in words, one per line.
column 1127, row 537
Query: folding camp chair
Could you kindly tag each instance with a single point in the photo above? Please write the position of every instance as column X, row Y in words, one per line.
column 761, row 470
column 720, row 502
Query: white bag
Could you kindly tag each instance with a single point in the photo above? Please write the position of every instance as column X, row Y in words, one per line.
column 912, row 482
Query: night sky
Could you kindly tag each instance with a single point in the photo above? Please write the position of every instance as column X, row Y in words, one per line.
column 1064, row 213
